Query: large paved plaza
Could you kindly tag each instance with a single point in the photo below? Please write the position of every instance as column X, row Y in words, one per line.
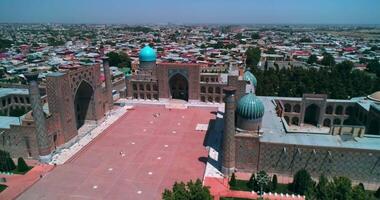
column 145, row 151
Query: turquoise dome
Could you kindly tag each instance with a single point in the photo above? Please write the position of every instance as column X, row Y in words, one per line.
column 248, row 76
column 147, row 54
column 250, row 107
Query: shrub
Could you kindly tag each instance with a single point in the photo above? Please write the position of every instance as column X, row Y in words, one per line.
column 21, row 165
column 232, row 182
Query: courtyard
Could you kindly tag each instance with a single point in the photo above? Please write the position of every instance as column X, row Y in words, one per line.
column 137, row 157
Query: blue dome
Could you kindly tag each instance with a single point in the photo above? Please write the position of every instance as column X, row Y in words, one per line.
column 250, row 107
column 147, row 54
column 248, row 76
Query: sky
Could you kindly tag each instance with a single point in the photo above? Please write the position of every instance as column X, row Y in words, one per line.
column 191, row 11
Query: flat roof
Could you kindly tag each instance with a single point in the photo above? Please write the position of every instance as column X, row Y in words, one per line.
column 274, row 132
column 6, row 122
column 9, row 91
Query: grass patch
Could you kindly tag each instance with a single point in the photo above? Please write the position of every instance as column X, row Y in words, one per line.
column 15, row 171
column 241, row 185
column 2, row 187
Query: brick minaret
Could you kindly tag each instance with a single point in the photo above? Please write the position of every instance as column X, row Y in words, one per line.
column 228, row 145
column 43, row 141
column 108, row 81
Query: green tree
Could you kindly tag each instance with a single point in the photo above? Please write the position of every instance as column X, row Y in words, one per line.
column 11, row 164
column 255, row 36
column 253, row 56
column 190, row 191
column 21, row 165
column 340, row 188
column 358, row 193
column 274, row 182
column 6, row 162
column 232, row 181
column 377, row 193
column 328, row 60
column 312, row 59
column 373, row 66
column 263, row 180
column 302, row 182
column 322, row 189
column 120, row 59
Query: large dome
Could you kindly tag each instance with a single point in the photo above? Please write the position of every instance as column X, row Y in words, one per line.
column 375, row 96
column 250, row 107
column 248, row 76
column 147, row 54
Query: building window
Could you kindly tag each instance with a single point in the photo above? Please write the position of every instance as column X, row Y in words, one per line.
column 148, row 87
column 141, row 87
column 339, row 110
column 148, row 96
column 203, row 89
column 22, row 100
column 135, row 96
column 155, row 88
column 288, row 107
column 329, row 110
column 155, row 96
column 15, row 99
column 297, row 108
column 203, row 98
column 134, row 86
column 217, row 99
column 142, row 96
column 217, row 90
column 209, row 99
column 210, row 90
column 337, row 121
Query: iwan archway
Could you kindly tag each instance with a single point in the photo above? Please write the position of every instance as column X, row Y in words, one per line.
column 84, row 103
column 179, row 87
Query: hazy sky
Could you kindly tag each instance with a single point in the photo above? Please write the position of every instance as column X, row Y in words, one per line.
column 192, row 11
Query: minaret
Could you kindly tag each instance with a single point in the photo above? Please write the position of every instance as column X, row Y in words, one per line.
column 108, row 81
column 228, row 142
column 43, row 141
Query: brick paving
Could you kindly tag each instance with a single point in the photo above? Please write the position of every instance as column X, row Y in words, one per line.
column 137, row 157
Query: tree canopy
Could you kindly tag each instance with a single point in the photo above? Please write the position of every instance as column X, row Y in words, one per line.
column 253, row 57
column 189, row 191
column 119, row 59
column 337, row 82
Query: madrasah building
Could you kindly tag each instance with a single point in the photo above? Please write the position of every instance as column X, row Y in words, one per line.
column 277, row 134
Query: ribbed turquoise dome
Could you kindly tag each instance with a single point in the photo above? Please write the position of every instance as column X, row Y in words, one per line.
column 147, row 54
column 250, row 107
column 248, row 76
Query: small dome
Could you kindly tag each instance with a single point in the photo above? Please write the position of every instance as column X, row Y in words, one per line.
column 147, row 54
column 374, row 96
column 250, row 107
column 248, row 76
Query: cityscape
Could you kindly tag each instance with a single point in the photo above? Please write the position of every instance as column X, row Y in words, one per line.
column 200, row 100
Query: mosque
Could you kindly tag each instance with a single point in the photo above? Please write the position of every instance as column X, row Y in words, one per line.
column 277, row 134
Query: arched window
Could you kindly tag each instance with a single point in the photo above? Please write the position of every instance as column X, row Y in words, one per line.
column 286, row 119
column 329, row 110
column 210, row 89
column 217, row 99
column 203, row 98
column 148, row 87
column 134, row 86
column 209, row 99
column 297, row 108
column 141, row 87
column 155, row 88
column 217, row 90
column 203, row 89
column 337, row 121
column 339, row 110
column 349, row 110
column 327, row 122
column 288, row 107
column 295, row 120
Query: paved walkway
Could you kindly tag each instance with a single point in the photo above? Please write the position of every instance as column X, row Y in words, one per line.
column 137, row 157
column 18, row 183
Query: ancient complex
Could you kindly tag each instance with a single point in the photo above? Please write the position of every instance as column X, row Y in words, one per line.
column 276, row 134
